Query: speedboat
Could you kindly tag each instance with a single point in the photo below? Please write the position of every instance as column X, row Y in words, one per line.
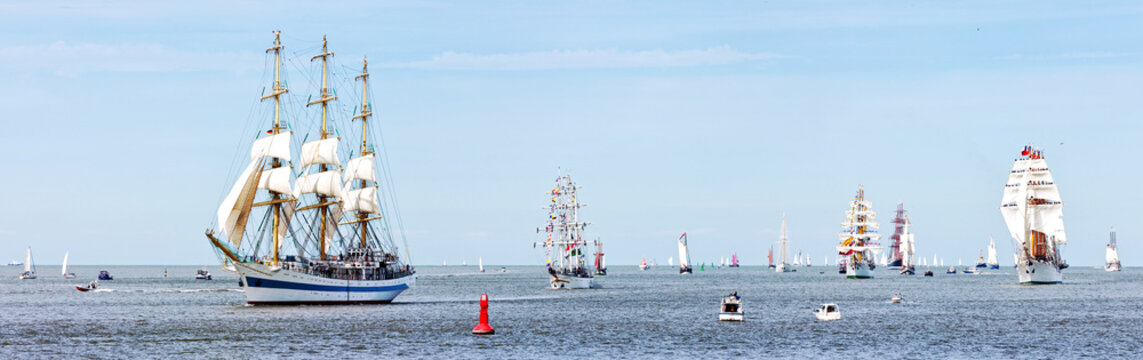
column 951, row 270
column 929, row 273
column 828, row 312
column 104, row 275
column 896, row 298
column 968, row 270
column 90, row 286
column 731, row 308
column 202, row 275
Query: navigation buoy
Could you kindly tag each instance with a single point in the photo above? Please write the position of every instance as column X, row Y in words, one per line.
column 482, row 328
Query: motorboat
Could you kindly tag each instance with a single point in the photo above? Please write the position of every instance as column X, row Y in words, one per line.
column 202, row 275
column 896, row 298
column 731, row 308
column 951, row 270
column 828, row 312
column 969, row 270
column 929, row 273
column 104, row 275
column 90, row 286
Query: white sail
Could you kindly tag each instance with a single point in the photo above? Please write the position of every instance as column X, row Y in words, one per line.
column 276, row 146
column 684, row 258
column 327, row 183
column 320, row 152
column 1112, row 255
column 671, row 261
column 28, row 260
column 235, row 208
column 480, row 261
column 63, row 269
column 992, row 261
column 360, row 168
column 362, row 200
column 276, row 180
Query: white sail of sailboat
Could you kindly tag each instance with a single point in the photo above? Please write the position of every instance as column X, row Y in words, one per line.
column 480, row 261
column 783, row 265
column 859, row 238
column 907, row 248
column 671, row 261
column 29, row 266
column 684, row 256
column 63, row 268
column 1111, row 260
column 993, row 263
column 1033, row 210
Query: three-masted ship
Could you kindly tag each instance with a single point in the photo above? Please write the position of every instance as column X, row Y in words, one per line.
column 1033, row 211
column 314, row 231
column 859, row 238
column 564, row 244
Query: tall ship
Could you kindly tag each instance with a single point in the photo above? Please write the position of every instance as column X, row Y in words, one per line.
column 895, row 256
column 684, row 256
column 993, row 263
column 1111, row 262
column 859, row 238
column 907, row 249
column 783, row 265
column 600, row 261
column 564, row 246
column 1033, row 211
column 314, row 231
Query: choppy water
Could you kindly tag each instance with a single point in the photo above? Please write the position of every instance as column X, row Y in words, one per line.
column 636, row 315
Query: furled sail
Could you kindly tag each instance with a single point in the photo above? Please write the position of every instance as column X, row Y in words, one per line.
column 327, row 183
column 277, row 146
column 320, row 152
column 362, row 200
column 360, row 168
column 235, row 208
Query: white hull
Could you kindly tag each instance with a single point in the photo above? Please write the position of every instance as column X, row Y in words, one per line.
column 571, row 282
column 730, row 316
column 858, row 271
column 1112, row 267
column 1038, row 273
column 265, row 286
column 782, row 268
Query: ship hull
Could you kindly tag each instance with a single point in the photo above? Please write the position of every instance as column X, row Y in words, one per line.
column 1112, row 267
column 858, row 271
column 1039, row 272
column 562, row 281
column 264, row 286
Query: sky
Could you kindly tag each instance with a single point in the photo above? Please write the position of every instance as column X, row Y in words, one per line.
column 123, row 120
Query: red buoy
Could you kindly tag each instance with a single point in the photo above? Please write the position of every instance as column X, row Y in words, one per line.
column 482, row 328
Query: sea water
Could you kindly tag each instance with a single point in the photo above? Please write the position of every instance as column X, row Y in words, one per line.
column 636, row 314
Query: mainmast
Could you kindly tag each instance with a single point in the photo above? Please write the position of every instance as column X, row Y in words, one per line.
column 278, row 90
column 364, row 116
column 324, row 101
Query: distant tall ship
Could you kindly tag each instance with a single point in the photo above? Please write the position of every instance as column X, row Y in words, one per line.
column 907, row 248
column 859, row 238
column 564, row 242
column 1033, row 211
column 310, row 232
column 993, row 263
column 783, row 265
column 895, row 256
column 600, row 261
column 684, row 256
column 1112, row 258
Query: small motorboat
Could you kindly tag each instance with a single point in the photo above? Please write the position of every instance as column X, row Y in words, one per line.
column 828, row 312
column 90, row 286
column 968, row 270
column 896, row 298
column 104, row 275
column 951, row 270
column 202, row 275
column 731, row 308
column 929, row 273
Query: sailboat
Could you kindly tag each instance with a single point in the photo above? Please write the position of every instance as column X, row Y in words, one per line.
column 1111, row 262
column 643, row 264
column 783, row 266
column 480, row 262
column 907, row 249
column 684, row 256
column 564, row 242
column 993, row 264
column 323, row 238
column 859, row 238
column 600, row 263
column 29, row 266
column 1033, row 211
column 734, row 260
column 770, row 257
column 895, row 254
column 671, row 261
column 797, row 260
column 63, row 269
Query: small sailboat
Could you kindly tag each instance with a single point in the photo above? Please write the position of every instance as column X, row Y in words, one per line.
column 783, row 266
column 480, row 261
column 859, row 240
column 29, row 266
column 980, row 262
column 731, row 308
column 734, row 260
column 1111, row 260
column 643, row 264
column 828, row 312
column 63, row 269
column 600, row 262
column 670, row 261
column 797, row 260
column 770, row 257
column 896, row 299
column 993, row 264
column 684, row 256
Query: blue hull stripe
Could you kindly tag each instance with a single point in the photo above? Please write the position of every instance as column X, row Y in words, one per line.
column 278, row 284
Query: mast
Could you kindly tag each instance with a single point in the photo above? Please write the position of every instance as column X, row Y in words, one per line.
column 278, row 90
column 783, row 239
column 364, row 116
column 323, row 209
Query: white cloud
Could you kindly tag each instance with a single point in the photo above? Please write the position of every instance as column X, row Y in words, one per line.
column 587, row 59
column 66, row 59
column 1066, row 56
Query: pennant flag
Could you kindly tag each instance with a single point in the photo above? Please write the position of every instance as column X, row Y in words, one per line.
column 1027, row 151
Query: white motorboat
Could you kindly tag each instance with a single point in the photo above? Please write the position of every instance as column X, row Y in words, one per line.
column 828, row 312
column 731, row 308
column 896, row 298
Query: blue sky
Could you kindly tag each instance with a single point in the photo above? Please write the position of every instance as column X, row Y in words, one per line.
column 122, row 119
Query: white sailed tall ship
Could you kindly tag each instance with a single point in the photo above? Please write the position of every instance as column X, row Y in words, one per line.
column 1112, row 258
column 783, row 265
column 684, row 256
column 908, row 249
column 993, row 263
column 859, row 238
column 563, row 242
column 1034, row 214
column 311, row 232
